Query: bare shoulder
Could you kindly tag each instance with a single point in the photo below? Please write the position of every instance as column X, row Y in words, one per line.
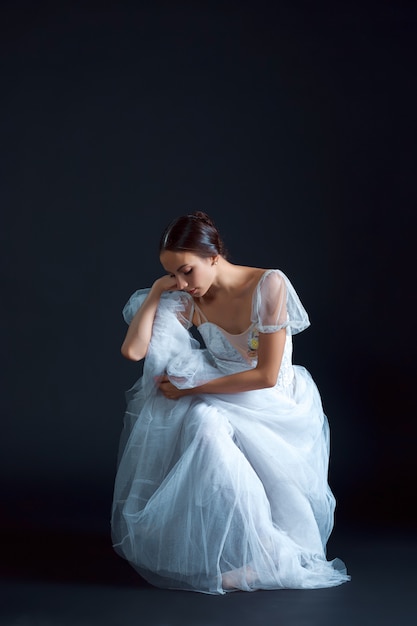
column 247, row 279
column 252, row 273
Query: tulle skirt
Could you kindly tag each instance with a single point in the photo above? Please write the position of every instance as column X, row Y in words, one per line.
column 216, row 493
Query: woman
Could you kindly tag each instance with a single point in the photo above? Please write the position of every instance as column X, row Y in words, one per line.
column 222, row 477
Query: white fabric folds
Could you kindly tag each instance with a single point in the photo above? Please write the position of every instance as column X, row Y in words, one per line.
column 215, row 493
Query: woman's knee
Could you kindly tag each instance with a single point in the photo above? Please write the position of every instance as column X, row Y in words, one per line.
column 207, row 424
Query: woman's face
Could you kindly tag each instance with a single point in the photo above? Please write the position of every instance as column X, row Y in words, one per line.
column 193, row 273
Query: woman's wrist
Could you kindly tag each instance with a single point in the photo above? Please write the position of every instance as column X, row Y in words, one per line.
column 155, row 292
column 164, row 283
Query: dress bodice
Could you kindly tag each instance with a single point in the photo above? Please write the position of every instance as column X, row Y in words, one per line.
column 232, row 353
column 245, row 343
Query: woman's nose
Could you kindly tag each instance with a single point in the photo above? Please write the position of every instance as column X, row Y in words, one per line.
column 182, row 284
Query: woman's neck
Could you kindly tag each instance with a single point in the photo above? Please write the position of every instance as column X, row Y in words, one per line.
column 229, row 279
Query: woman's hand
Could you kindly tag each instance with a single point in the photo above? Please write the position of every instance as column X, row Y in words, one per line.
column 165, row 283
column 169, row 390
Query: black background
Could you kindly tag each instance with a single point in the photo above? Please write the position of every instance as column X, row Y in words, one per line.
column 293, row 125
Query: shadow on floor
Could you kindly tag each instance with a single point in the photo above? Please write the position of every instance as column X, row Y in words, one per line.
column 75, row 579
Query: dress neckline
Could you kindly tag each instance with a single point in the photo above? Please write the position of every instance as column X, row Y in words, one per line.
column 226, row 332
column 220, row 327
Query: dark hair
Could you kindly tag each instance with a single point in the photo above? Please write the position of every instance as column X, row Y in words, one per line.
column 195, row 233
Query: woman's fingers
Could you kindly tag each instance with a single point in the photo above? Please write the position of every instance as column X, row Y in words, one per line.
column 168, row 389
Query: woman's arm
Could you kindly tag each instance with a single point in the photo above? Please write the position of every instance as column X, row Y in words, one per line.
column 265, row 374
column 138, row 336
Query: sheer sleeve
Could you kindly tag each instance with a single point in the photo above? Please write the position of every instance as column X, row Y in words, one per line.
column 276, row 305
column 133, row 304
column 178, row 301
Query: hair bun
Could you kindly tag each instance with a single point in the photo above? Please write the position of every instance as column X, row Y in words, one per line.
column 195, row 232
column 204, row 218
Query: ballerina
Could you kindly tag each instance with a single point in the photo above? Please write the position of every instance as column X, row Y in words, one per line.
column 222, row 475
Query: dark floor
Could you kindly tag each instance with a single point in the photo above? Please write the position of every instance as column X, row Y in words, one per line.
column 66, row 580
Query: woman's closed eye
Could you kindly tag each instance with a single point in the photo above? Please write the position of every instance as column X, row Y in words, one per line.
column 185, row 273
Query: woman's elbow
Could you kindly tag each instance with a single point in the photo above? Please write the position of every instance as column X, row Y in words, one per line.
column 269, row 382
column 132, row 353
column 268, row 379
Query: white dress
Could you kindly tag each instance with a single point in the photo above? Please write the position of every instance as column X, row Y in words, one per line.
column 221, row 492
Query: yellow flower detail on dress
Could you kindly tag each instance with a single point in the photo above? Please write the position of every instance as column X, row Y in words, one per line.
column 253, row 343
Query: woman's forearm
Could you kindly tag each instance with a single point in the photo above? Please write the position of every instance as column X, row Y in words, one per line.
column 249, row 380
column 138, row 336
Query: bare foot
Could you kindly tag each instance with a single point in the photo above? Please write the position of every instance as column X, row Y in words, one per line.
column 235, row 578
